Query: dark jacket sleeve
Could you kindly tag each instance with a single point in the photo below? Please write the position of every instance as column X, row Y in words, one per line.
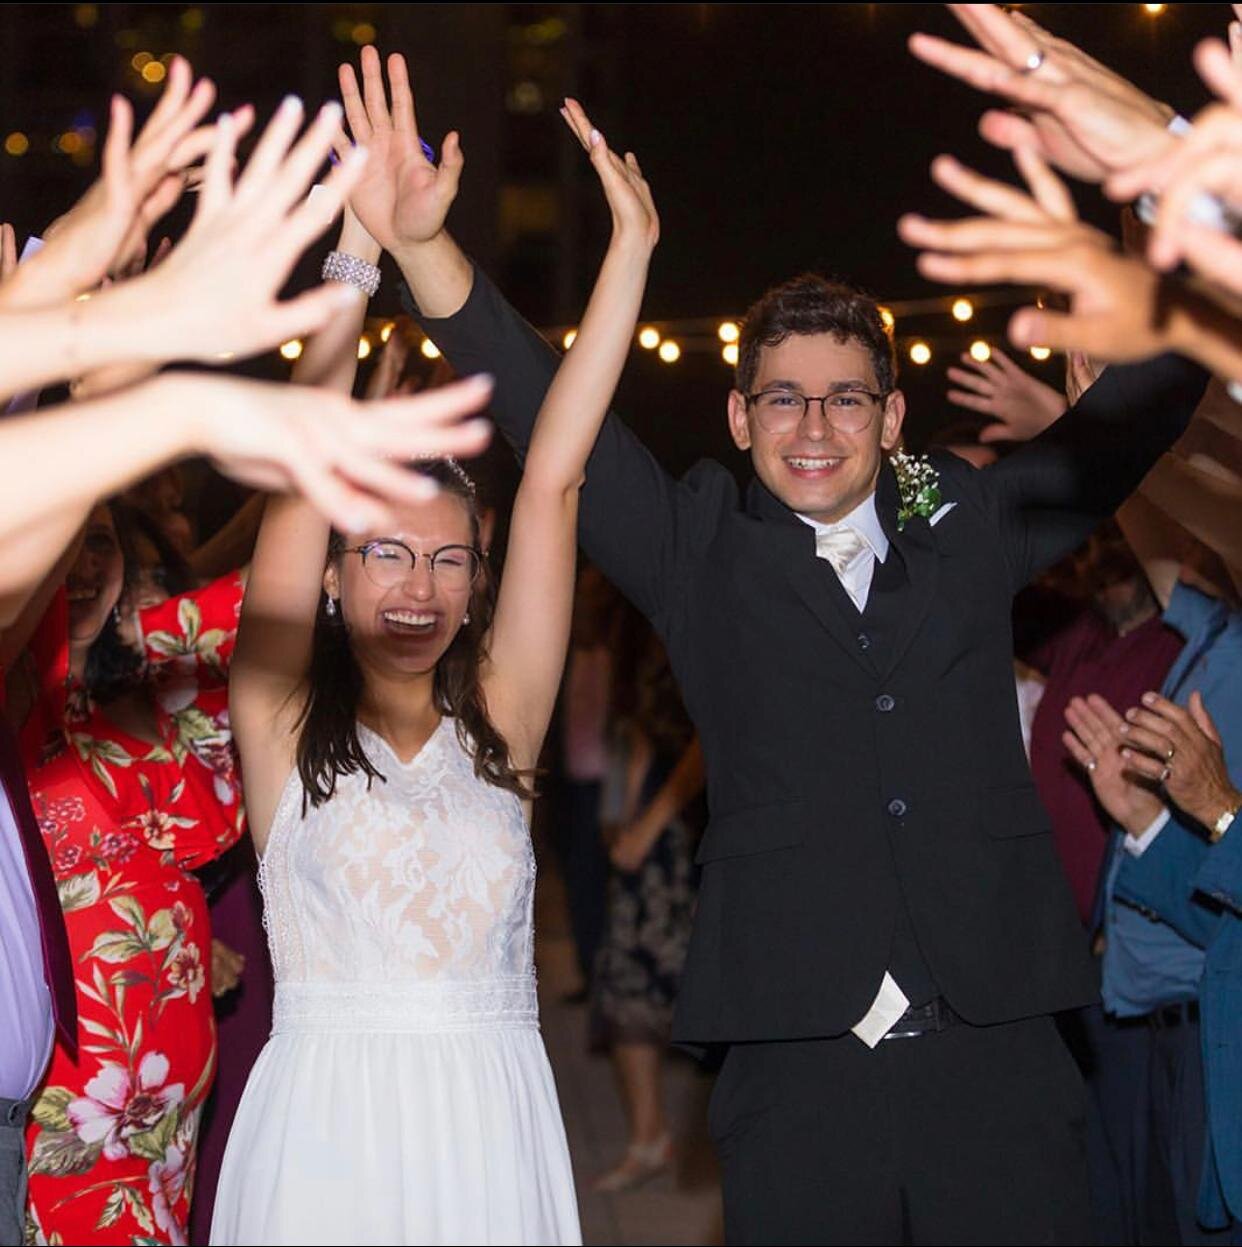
column 637, row 523
column 1048, row 496
column 1220, row 876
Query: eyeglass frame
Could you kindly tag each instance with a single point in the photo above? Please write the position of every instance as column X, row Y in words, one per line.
column 878, row 397
column 367, row 546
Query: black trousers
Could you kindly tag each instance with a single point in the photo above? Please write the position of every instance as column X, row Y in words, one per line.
column 970, row 1135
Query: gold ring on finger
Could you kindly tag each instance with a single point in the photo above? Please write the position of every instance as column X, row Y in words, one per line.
column 1168, row 757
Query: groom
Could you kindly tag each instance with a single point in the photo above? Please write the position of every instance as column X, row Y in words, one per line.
column 883, row 928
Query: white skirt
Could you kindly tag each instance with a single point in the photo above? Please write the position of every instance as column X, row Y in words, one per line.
column 359, row 1136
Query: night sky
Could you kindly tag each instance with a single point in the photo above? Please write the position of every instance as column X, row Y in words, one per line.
column 777, row 138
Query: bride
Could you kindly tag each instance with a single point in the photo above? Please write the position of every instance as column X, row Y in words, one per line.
column 389, row 721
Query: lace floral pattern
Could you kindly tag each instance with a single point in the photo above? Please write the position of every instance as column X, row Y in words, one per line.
column 412, row 899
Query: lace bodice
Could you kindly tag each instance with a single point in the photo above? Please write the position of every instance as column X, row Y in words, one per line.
column 426, row 879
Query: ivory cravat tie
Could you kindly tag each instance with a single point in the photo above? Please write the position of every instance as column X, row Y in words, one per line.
column 839, row 547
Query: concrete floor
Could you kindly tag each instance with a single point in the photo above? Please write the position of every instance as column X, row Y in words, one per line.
column 682, row 1207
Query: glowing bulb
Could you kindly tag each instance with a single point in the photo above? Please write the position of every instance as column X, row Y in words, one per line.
column 729, row 353
column 16, row 144
column 364, row 347
column 363, row 33
column 920, row 353
column 153, row 71
column 386, row 331
column 1040, row 353
column 1155, row 9
column 670, row 352
column 568, row 340
column 429, row 349
column 887, row 319
column 291, row 350
column 729, row 331
column 963, row 309
column 140, row 60
column 649, row 338
column 980, row 352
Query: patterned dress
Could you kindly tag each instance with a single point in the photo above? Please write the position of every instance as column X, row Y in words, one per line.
column 112, row 1136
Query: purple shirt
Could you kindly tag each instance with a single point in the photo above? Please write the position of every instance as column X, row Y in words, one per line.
column 26, row 1025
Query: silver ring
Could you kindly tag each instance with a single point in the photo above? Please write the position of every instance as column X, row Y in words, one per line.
column 1164, row 775
column 1033, row 62
column 1092, row 765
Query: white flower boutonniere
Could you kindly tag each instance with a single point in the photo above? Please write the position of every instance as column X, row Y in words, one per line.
column 918, row 483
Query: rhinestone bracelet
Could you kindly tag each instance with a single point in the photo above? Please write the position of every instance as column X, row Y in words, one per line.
column 340, row 266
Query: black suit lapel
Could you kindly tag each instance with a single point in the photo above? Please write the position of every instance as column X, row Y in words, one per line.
column 792, row 543
column 904, row 612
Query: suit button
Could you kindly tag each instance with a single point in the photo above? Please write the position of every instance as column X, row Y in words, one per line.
column 884, row 703
column 864, row 641
column 897, row 807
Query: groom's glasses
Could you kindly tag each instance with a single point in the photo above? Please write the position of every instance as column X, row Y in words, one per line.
column 848, row 411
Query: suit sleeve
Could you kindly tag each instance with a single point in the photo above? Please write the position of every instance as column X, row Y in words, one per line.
column 1163, row 881
column 1220, row 876
column 636, row 522
column 1047, row 497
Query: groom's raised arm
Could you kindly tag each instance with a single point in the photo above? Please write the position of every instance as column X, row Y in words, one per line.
column 636, row 522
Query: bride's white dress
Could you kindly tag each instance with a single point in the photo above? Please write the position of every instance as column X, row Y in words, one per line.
column 404, row 1095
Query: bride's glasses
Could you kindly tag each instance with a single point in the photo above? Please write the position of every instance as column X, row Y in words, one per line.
column 388, row 563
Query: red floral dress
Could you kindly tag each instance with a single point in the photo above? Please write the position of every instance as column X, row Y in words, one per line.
column 112, row 1137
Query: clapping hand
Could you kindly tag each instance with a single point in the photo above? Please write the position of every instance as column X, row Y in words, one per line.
column 1180, row 749
column 634, row 217
column 1021, row 406
column 1076, row 113
column 1095, row 741
column 402, row 198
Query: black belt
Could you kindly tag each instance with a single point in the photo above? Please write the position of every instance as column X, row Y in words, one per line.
column 1164, row 1018
column 936, row 1015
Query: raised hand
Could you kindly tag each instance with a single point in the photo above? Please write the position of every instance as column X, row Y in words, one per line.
column 335, row 451
column 216, row 293
column 1021, row 405
column 402, row 198
column 139, row 182
column 1181, row 749
column 1035, row 239
column 1079, row 115
column 1094, row 739
column 629, row 198
column 386, row 375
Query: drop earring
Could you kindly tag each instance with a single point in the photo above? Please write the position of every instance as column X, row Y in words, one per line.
column 465, row 619
column 330, row 609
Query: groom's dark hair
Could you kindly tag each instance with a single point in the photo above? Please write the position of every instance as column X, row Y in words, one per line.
column 812, row 304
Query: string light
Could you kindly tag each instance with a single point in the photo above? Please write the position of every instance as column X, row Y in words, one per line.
column 670, row 352
column 963, row 309
column 1155, row 9
column 153, row 71
column 980, row 352
column 729, row 331
column 568, row 340
column 364, row 347
column 363, row 33
column 887, row 319
column 16, row 144
column 729, row 353
column 429, row 349
column 291, row 350
column 1041, row 353
column 386, row 331
column 920, row 353
column 140, row 60
column 649, row 338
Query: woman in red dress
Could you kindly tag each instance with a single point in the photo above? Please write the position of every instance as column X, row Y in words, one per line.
column 133, row 791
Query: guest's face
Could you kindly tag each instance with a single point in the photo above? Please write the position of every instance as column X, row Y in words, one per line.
column 401, row 620
column 814, row 468
column 94, row 582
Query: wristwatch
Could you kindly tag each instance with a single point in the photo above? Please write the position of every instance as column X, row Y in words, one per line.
column 1223, row 823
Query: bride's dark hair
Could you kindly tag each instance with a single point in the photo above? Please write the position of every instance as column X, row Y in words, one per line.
column 328, row 744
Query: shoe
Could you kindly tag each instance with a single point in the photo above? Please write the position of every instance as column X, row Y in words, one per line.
column 642, row 1162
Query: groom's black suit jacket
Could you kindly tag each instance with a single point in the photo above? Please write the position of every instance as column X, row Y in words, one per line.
column 854, row 760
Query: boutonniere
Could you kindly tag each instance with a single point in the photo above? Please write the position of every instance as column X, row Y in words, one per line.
column 918, row 483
